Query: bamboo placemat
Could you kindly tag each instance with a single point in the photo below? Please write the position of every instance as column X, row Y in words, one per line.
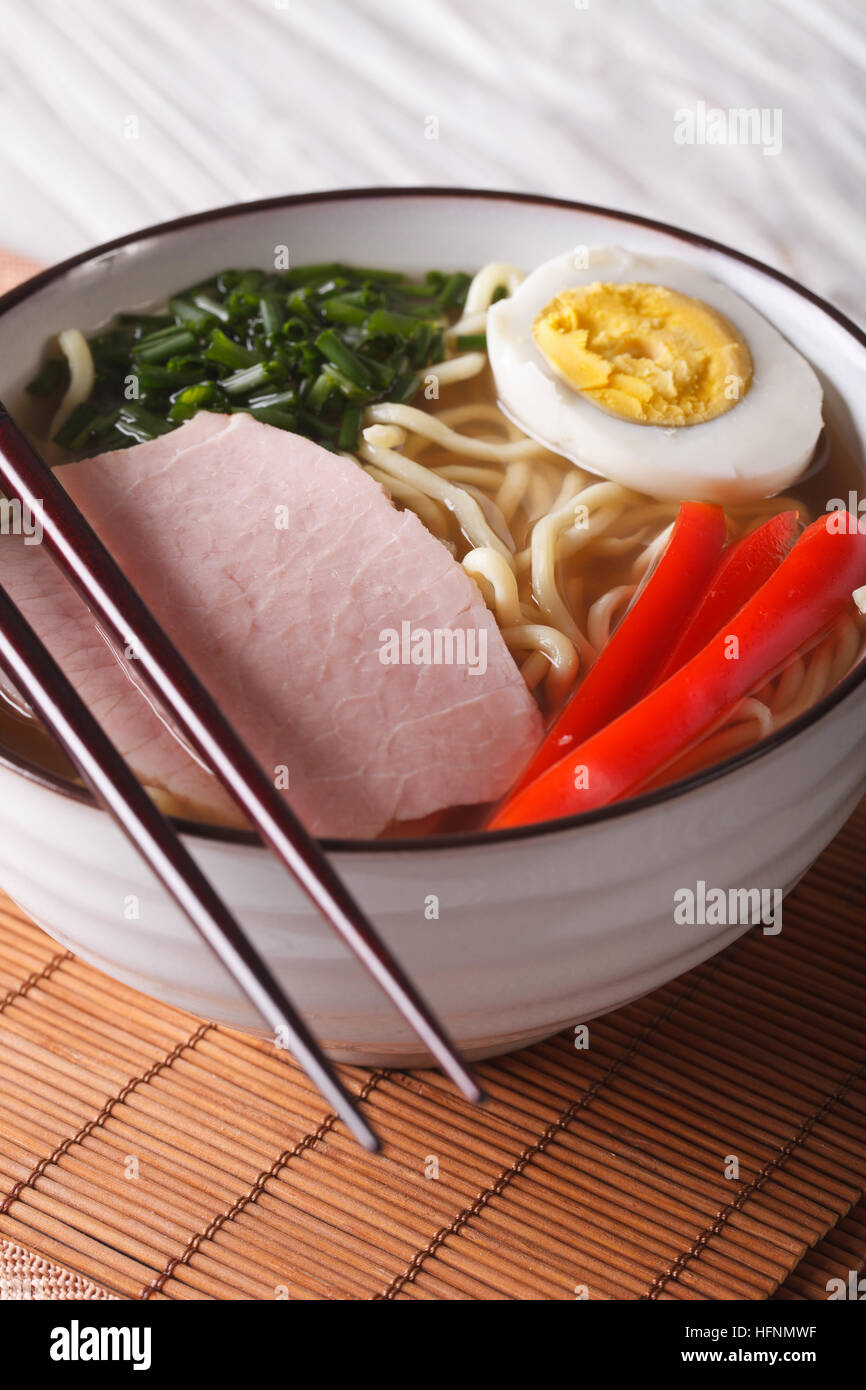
column 154, row 1155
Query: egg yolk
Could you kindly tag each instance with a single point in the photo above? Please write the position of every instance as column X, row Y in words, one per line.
column 644, row 352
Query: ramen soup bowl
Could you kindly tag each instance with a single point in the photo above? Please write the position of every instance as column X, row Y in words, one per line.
column 511, row 935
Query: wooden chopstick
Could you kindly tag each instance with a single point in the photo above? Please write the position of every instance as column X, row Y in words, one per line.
column 79, row 553
column 33, row 670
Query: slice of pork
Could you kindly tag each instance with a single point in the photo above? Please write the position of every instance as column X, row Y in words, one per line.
column 290, row 583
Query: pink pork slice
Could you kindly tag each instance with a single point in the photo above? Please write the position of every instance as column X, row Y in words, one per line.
column 278, row 569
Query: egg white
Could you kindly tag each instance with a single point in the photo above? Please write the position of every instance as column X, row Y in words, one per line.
column 756, row 449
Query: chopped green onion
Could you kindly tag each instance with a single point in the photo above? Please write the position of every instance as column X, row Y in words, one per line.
column 437, row 348
column 250, row 282
column 75, row 431
column 246, row 380
column 303, row 350
column 278, row 398
column 342, row 357
column 386, row 322
column 194, row 398
column 273, row 312
column 311, row 274
column 211, row 306
column 454, row 289
column 295, row 329
column 375, row 277
column 152, row 377
column 189, row 314
column 471, row 342
column 404, row 388
column 269, row 415
column 299, row 305
column 112, row 440
column 339, row 309
column 141, row 324
column 349, row 438
column 422, row 340
column 315, row 427
column 228, row 353
column 320, row 389
column 141, row 424
column 418, row 291
column 109, row 347
column 158, row 347
column 52, row 378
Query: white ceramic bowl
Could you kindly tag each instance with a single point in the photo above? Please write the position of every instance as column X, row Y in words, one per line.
column 539, row 928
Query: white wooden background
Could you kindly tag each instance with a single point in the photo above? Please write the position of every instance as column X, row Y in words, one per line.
column 118, row 113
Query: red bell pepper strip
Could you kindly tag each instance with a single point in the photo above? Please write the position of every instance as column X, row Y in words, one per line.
column 743, row 568
column 633, row 657
column 801, row 599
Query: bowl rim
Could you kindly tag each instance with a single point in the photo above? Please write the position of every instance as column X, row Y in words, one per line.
column 855, row 679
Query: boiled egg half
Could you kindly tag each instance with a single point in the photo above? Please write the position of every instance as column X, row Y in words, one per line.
column 647, row 371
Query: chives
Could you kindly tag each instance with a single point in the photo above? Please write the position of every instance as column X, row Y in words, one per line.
column 272, row 314
column 51, row 378
column 310, row 274
column 153, row 377
column 381, row 277
column 141, row 424
column 422, row 341
column 332, row 347
column 452, row 291
column 437, row 347
column 279, row 398
column 299, row 305
column 418, row 291
column 108, row 347
column 192, row 315
column 270, row 415
column 210, row 306
column 306, row 349
column 385, row 321
column 247, row 379
column 316, row 427
column 472, row 342
column 228, row 353
column 144, row 323
column 320, row 390
column 76, row 430
column 340, row 309
column 159, row 347
column 250, row 282
column 204, row 396
column 404, row 388
column 350, row 430
column 295, row 329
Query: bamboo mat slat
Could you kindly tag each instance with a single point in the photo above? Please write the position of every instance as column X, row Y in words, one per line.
column 841, row 1254
column 148, row 1154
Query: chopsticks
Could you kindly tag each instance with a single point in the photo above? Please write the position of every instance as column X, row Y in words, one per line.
column 35, row 673
column 77, row 550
